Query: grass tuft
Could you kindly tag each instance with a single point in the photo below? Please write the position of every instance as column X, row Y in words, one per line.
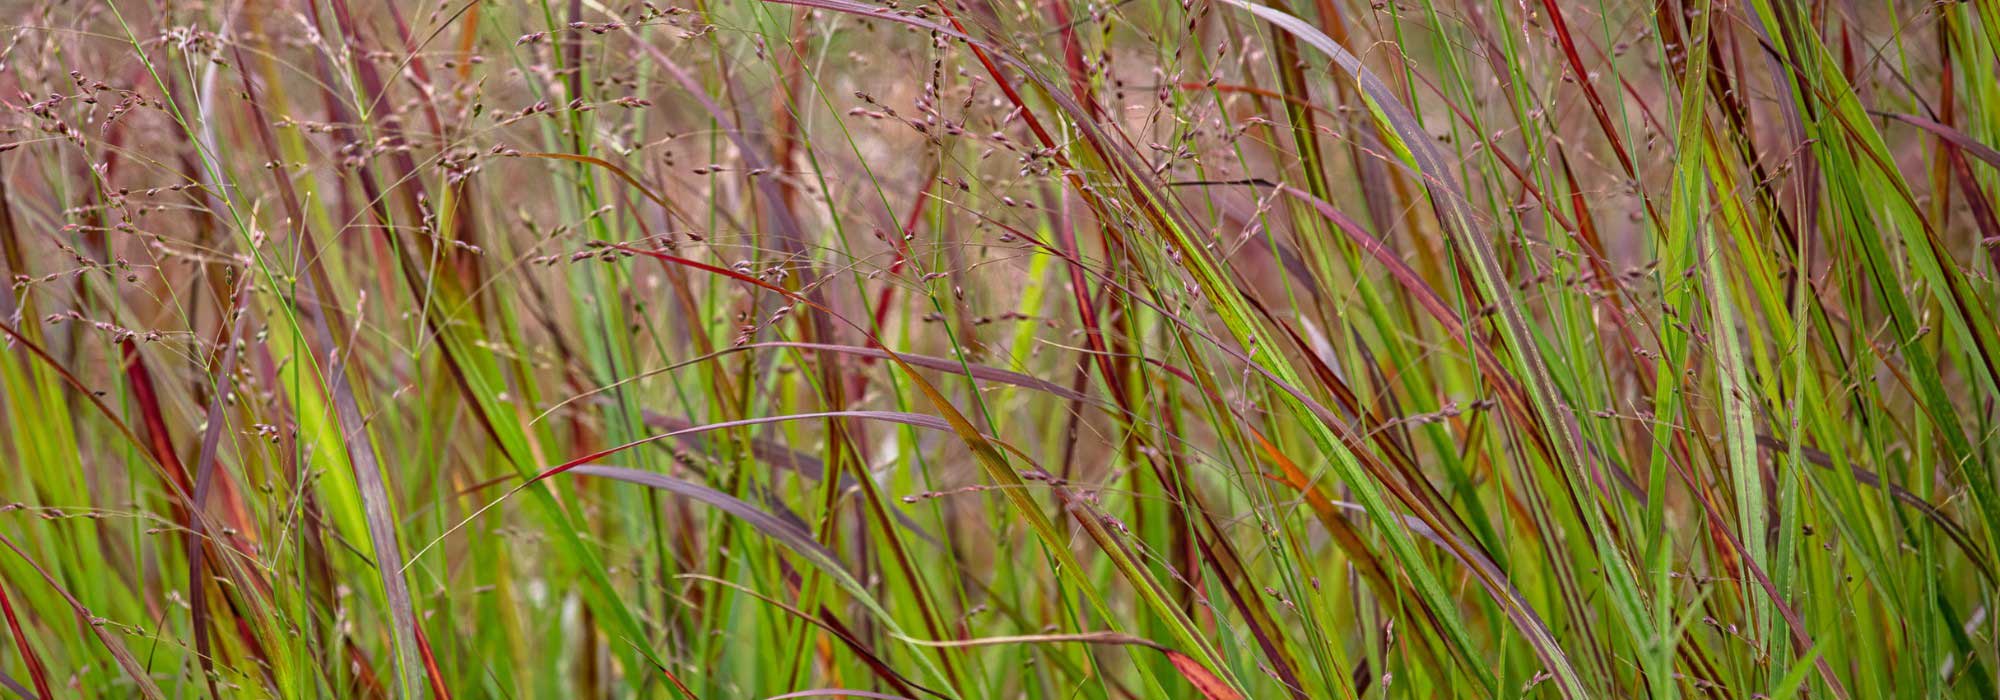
column 960, row 349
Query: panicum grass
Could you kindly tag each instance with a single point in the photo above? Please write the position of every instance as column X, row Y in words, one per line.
column 969, row 349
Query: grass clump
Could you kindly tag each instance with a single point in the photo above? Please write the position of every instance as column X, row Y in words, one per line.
column 962, row 349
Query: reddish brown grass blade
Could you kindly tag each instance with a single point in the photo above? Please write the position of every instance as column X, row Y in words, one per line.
column 204, row 480
column 1982, row 208
column 1203, row 680
column 36, row 671
column 1957, row 138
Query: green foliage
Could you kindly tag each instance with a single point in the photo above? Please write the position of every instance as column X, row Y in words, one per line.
column 821, row 348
